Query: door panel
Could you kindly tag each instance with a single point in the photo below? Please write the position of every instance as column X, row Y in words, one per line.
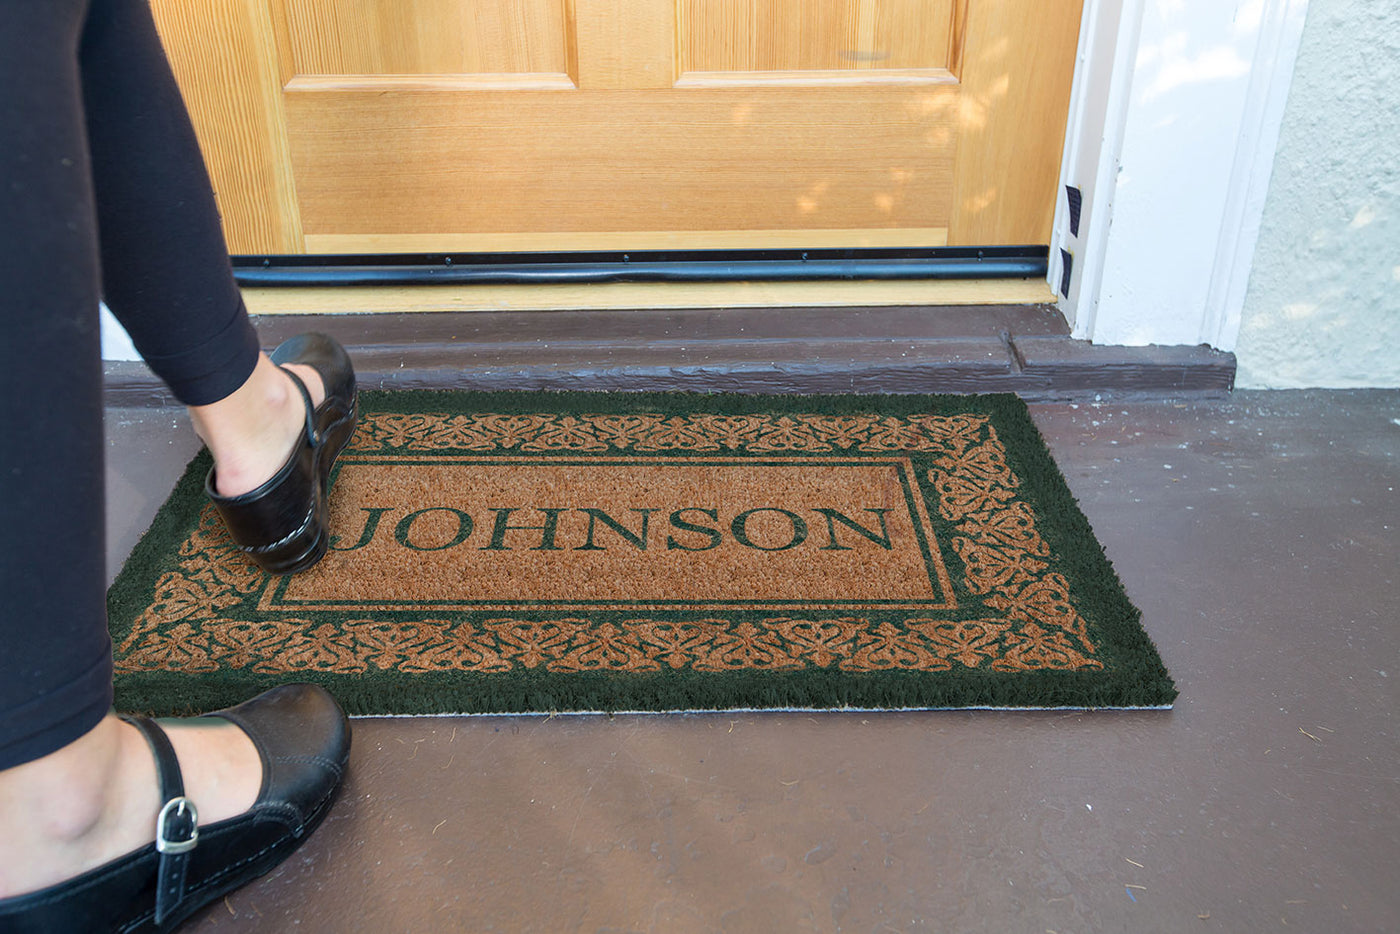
column 722, row 160
column 799, row 35
column 425, row 37
column 552, row 123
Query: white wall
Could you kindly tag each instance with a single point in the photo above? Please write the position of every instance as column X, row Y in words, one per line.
column 1323, row 305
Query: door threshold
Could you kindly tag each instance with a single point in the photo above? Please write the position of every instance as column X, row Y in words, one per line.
column 1025, row 349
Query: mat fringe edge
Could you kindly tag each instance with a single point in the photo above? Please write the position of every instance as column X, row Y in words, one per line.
column 553, row 714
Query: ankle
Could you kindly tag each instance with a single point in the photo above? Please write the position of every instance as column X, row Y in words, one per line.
column 251, row 432
column 65, row 807
column 65, row 792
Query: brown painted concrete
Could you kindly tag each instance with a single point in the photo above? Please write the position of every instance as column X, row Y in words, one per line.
column 1259, row 534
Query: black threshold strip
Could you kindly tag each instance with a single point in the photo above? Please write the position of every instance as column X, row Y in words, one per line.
column 998, row 262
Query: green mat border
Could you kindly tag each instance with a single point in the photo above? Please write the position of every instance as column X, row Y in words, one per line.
column 1133, row 676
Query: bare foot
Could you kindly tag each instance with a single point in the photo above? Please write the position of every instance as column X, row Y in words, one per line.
column 253, row 431
column 97, row 798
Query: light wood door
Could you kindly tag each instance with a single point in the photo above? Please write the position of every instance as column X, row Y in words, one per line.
column 436, row 125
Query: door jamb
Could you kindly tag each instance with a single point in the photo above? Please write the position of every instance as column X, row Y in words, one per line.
column 1127, row 239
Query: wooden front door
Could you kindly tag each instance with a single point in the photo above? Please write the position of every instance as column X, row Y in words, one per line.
column 437, row 125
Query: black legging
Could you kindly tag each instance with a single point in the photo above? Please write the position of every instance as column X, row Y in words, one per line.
column 103, row 194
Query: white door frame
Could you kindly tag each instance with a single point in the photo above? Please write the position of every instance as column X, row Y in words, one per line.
column 1173, row 124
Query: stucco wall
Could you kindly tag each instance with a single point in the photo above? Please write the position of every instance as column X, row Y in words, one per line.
column 1323, row 304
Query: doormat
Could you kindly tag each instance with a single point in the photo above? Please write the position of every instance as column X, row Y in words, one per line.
column 498, row 552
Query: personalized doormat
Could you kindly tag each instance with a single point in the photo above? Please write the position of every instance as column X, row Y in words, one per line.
column 501, row 552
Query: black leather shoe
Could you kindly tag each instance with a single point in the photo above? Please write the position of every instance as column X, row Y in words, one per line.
column 281, row 525
column 304, row 741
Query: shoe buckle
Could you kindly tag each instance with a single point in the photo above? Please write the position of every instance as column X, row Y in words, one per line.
column 178, row 819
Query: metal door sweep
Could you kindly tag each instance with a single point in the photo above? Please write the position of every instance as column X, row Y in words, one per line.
column 786, row 265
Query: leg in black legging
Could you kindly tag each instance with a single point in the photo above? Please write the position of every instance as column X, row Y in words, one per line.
column 55, row 656
column 102, row 193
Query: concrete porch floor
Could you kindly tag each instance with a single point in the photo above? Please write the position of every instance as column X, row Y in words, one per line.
column 1260, row 535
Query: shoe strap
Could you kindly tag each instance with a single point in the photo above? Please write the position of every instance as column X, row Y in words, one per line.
column 311, row 434
column 177, row 827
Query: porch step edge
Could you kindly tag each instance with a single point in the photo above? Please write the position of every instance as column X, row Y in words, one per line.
column 1038, row 366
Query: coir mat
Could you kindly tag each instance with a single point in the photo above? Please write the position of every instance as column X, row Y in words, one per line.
column 499, row 552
